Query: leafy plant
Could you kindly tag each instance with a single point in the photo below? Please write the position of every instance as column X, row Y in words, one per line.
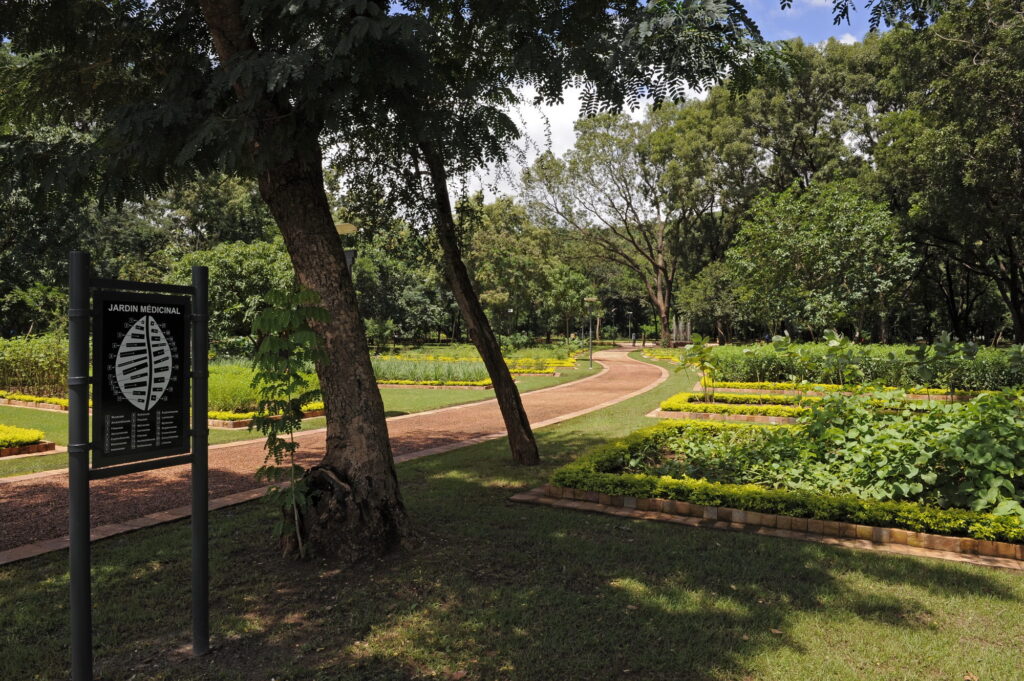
column 699, row 355
column 289, row 347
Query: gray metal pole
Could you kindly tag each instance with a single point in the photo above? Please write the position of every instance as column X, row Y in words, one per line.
column 590, row 335
column 78, row 467
column 200, row 482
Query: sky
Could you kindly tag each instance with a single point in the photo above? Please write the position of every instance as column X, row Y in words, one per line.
column 551, row 127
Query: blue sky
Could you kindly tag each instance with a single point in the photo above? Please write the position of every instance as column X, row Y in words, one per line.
column 807, row 19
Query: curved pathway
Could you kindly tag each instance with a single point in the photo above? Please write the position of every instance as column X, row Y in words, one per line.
column 33, row 508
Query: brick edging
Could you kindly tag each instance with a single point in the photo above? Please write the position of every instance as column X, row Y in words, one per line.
column 706, row 416
column 893, row 540
column 34, row 448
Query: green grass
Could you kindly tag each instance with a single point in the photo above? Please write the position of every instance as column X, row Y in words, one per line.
column 397, row 401
column 503, row 591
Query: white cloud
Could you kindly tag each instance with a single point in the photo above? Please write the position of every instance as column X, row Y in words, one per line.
column 544, row 128
column 847, row 39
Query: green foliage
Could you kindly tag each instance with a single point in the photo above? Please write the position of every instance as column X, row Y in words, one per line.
column 12, row 436
column 699, row 356
column 607, row 470
column 685, row 402
column 735, row 398
column 243, row 277
column 289, row 347
column 951, row 455
column 827, row 255
column 897, row 365
column 35, row 364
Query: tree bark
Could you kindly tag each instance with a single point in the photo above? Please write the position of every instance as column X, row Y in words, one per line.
column 357, row 510
column 520, row 434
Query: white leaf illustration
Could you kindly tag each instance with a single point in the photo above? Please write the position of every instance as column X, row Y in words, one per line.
column 144, row 362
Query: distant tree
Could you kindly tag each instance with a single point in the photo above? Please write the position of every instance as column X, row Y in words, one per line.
column 820, row 258
column 243, row 278
column 955, row 154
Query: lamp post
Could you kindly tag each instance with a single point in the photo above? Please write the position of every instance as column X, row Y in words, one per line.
column 343, row 229
column 511, row 321
column 629, row 322
column 590, row 300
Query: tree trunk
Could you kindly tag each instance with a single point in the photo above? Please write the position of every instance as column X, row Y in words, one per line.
column 665, row 330
column 520, row 434
column 357, row 510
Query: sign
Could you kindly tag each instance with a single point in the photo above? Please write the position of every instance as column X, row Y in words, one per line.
column 140, row 376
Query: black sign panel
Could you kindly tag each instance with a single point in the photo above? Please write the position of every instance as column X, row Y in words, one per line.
column 141, row 376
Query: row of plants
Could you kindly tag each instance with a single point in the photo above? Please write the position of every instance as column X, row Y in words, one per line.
column 799, row 471
column 34, row 364
column 829, row 387
column 35, row 367
column 13, row 436
column 945, row 365
column 695, row 403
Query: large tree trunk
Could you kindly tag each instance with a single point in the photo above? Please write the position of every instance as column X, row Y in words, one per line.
column 520, row 435
column 358, row 510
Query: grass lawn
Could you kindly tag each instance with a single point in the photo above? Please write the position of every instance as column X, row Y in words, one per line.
column 489, row 590
column 397, row 401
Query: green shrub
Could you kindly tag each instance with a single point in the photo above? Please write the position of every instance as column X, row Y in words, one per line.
column 745, row 398
column 605, row 470
column 989, row 369
column 34, row 364
column 680, row 403
column 12, row 436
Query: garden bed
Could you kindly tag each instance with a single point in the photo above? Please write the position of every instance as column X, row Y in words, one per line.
column 788, row 471
column 735, row 418
column 42, row 447
column 15, row 441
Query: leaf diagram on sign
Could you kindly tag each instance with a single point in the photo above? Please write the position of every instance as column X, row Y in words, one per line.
column 144, row 363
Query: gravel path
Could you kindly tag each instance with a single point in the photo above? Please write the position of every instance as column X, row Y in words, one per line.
column 34, row 507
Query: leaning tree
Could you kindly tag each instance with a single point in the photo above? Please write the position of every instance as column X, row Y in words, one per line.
column 134, row 96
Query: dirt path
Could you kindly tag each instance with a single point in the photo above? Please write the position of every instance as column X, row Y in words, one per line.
column 33, row 508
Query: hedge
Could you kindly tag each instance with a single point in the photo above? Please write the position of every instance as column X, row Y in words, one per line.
column 745, row 398
column 990, row 369
column 599, row 471
column 681, row 403
column 12, row 436
column 63, row 402
column 829, row 387
column 35, row 364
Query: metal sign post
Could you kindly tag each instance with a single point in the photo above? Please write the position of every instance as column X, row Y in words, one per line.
column 143, row 337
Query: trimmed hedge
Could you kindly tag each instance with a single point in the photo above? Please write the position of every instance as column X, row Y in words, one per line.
column 681, row 402
column 12, row 436
column 600, row 471
column 63, row 402
column 990, row 369
column 830, row 387
column 746, row 398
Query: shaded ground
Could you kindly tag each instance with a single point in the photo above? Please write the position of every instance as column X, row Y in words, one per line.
column 493, row 591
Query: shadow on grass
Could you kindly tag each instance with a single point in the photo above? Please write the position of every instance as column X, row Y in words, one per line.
column 488, row 589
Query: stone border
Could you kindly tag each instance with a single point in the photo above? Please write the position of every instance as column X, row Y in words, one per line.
column 47, row 406
column 851, row 535
column 24, row 450
column 705, row 416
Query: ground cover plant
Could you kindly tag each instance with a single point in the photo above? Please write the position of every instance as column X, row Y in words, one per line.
column 967, row 456
column 12, row 436
column 488, row 590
